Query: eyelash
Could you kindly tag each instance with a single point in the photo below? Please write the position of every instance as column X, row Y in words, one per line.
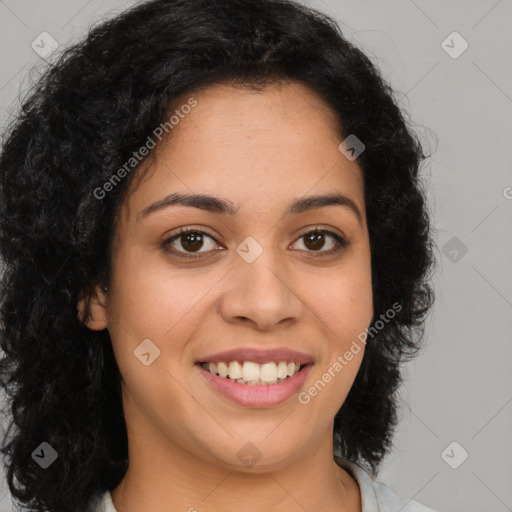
column 341, row 243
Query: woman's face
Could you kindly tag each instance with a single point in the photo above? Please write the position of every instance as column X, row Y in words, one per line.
column 251, row 278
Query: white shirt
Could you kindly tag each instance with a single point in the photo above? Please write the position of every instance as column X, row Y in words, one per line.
column 375, row 496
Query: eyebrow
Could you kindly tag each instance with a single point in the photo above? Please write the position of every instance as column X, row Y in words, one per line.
column 223, row 206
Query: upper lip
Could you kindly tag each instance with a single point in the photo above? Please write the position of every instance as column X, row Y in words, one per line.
column 257, row 356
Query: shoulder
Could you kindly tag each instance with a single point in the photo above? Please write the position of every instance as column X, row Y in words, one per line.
column 389, row 501
column 376, row 496
column 101, row 502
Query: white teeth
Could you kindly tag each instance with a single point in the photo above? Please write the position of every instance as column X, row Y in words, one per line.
column 222, row 369
column 282, row 370
column 235, row 370
column 268, row 372
column 252, row 373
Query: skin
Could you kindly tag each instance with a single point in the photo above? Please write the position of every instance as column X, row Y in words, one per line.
column 259, row 150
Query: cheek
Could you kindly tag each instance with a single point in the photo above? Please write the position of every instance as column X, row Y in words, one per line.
column 345, row 310
column 154, row 301
column 345, row 302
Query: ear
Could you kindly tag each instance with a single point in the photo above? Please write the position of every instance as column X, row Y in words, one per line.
column 95, row 307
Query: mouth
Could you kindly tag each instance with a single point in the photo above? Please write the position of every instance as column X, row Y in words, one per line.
column 250, row 384
column 251, row 373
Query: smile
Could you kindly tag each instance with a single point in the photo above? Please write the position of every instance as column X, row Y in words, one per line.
column 237, row 382
column 251, row 373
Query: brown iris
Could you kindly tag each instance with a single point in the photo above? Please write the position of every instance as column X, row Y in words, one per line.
column 192, row 241
column 317, row 238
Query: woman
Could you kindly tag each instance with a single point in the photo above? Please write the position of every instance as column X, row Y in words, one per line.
column 216, row 257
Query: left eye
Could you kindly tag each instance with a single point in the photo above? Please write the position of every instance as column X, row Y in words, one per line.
column 316, row 240
column 193, row 240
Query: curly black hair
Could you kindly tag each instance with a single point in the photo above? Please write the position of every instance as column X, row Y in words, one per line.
column 88, row 114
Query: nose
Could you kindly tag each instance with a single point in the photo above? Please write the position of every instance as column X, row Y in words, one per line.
column 262, row 294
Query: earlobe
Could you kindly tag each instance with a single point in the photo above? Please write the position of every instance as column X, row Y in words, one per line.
column 97, row 305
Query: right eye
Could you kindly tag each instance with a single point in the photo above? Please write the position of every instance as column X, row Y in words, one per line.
column 190, row 240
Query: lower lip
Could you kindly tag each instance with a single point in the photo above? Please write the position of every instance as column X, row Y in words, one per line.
column 254, row 395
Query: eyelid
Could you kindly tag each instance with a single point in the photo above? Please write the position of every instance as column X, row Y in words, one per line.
column 323, row 229
column 340, row 239
column 188, row 229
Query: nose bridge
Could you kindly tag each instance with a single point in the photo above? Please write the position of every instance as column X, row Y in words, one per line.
column 265, row 279
column 260, row 291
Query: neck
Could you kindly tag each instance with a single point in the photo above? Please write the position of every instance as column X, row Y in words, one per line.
column 163, row 477
column 171, row 472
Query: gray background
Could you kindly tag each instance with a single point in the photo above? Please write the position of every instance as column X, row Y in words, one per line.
column 460, row 388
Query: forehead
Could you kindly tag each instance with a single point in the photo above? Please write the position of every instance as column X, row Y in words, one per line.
column 255, row 147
